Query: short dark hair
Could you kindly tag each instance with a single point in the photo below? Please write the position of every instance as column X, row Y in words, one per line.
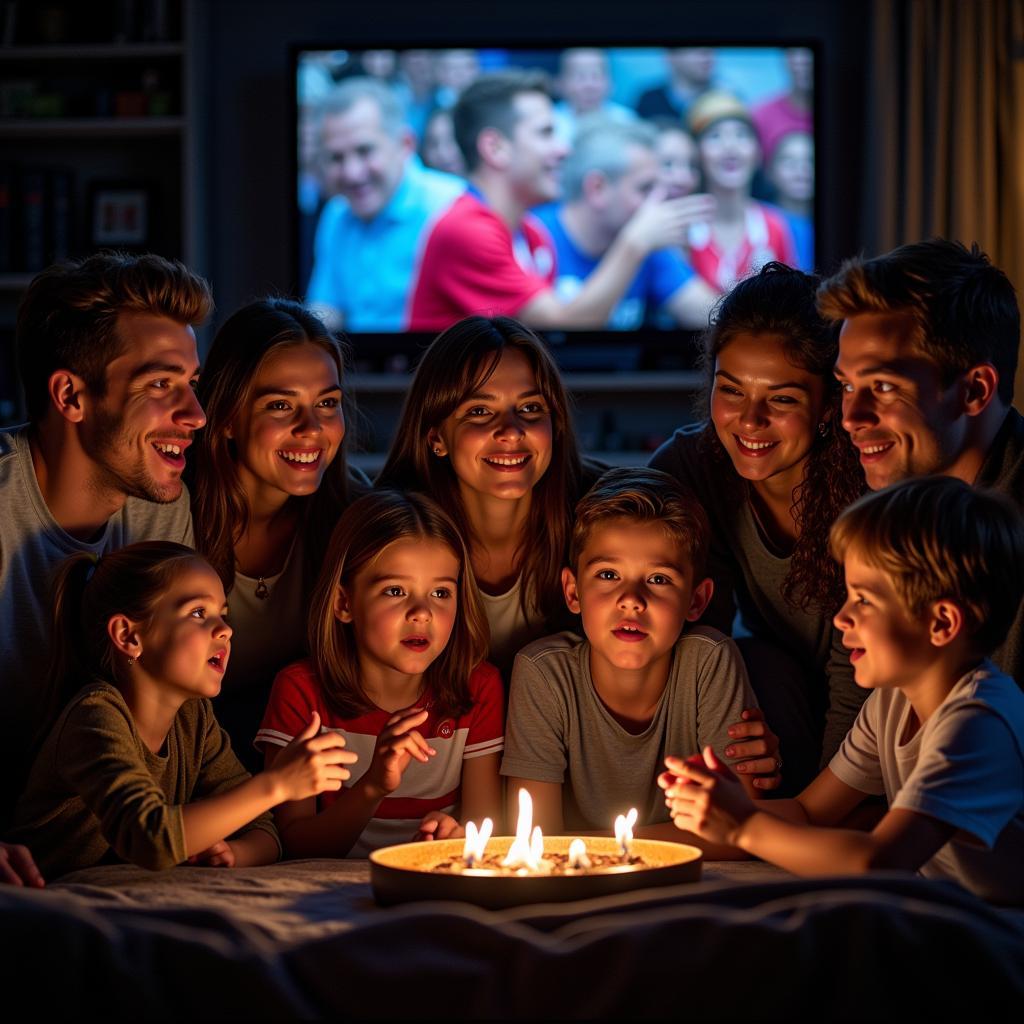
column 936, row 537
column 964, row 308
column 68, row 317
column 644, row 496
column 488, row 103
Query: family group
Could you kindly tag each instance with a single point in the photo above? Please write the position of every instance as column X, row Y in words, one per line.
column 194, row 583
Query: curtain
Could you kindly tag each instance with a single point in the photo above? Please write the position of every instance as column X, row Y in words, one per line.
column 945, row 135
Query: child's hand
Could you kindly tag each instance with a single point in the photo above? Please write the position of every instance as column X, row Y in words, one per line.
column 396, row 746
column 438, row 825
column 759, row 754
column 706, row 799
column 220, row 855
column 312, row 763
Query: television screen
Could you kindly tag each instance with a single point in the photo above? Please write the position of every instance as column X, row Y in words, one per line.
column 617, row 206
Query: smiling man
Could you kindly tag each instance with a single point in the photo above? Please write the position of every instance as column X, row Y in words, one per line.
column 927, row 356
column 488, row 254
column 107, row 358
column 383, row 199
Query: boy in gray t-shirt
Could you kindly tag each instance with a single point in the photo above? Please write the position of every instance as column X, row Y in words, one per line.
column 591, row 720
column 934, row 577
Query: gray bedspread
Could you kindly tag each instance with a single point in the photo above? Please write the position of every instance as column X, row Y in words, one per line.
column 305, row 940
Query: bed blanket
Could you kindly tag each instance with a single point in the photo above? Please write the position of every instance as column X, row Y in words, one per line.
column 305, row 940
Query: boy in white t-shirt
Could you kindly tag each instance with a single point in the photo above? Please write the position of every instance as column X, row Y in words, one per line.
column 934, row 577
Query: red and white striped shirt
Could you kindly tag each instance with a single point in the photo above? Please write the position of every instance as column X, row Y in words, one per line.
column 424, row 787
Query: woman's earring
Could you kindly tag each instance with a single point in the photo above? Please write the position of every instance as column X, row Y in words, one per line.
column 823, row 427
column 131, row 660
column 437, row 450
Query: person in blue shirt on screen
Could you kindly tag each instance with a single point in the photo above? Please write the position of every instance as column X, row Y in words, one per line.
column 383, row 201
column 611, row 171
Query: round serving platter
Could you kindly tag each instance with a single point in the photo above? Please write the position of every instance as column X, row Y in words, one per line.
column 401, row 874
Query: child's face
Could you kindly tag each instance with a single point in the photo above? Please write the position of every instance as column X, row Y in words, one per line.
column 499, row 438
column 292, row 429
column 888, row 645
column 402, row 607
column 634, row 589
column 186, row 644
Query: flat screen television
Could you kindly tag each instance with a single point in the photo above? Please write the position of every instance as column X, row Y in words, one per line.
column 715, row 143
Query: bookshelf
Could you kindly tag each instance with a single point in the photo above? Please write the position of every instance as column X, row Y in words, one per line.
column 97, row 141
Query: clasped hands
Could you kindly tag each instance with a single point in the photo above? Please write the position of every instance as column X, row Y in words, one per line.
column 705, row 797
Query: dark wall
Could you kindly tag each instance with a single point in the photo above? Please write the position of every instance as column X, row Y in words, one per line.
column 244, row 104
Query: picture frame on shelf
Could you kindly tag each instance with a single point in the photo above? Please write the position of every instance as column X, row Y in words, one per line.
column 120, row 214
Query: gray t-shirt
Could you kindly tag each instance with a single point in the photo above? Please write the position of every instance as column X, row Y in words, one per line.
column 964, row 767
column 32, row 545
column 744, row 569
column 558, row 729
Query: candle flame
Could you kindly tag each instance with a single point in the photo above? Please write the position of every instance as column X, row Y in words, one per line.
column 624, row 830
column 526, row 851
column 476, row 840
column 578, row 854
column 536, row 846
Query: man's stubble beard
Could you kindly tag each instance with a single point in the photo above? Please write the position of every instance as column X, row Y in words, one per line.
column 107, row 440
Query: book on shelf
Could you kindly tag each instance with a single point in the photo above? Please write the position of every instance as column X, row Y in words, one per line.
column 37, row 226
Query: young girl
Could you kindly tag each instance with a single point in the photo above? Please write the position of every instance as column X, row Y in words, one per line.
column 136, row 767
column 270, row 483
column 773, row 467
column 486, row 432
column 396, row 641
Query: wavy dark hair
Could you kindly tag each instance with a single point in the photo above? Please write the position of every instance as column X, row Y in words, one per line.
column 220, row 509
column 780, row 301
column 458, row 363
column 368, row 526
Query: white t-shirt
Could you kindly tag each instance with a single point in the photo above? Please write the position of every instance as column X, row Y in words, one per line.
column 269, row 632
column 511, row 629
column 964, row 767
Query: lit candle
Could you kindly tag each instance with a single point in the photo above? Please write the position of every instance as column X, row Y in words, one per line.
column 578, row 854
column 476, row 841
column 526, row 851
column 624, row 831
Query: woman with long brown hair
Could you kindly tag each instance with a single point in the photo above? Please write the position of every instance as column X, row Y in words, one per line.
column 774, row 468
column 269, row 483
column 486, row 431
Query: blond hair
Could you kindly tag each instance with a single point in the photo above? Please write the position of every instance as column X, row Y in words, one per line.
column 937, row 538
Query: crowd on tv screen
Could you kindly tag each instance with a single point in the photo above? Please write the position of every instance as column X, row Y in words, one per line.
column 575, row 189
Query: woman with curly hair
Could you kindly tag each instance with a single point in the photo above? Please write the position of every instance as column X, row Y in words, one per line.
column 774, row 468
